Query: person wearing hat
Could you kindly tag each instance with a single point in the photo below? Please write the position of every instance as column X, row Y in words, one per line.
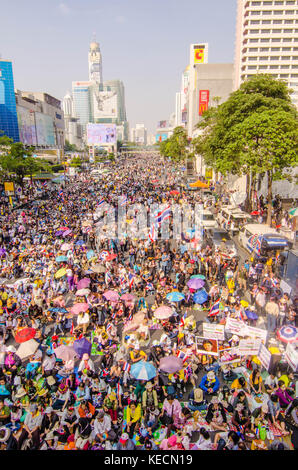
column 103, row 427
column 5, row 389
column 31, row 428
column 50, row 421
column 4, row 413
column 149, row 396
column 216, row 415
column 209, row 383
column 48, row 364
column 137, row 355
column 196, row 400
column 125, row 443
column 11, row 361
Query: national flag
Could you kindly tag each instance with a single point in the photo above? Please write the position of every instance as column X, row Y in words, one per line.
column 44, row 184
column 60, row 194
column 149, row 286
column 72, row 328
column 214, row 310
column 131, row 280
column 108, row 277
column 182, row 321
column 130, row 317
column 109, row 327
column 163, row 215
column 182, row 356
column 101, row 202
column 153, row 233
column 126, row 367
column 103, row 255
column 188, row 372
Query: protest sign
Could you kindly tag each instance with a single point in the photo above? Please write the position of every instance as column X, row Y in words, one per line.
column 226, row 356
column 206, row 346
column 213, row 331
column 249, row 347
column 264, row 356
column 291, row 356
column 236, row 327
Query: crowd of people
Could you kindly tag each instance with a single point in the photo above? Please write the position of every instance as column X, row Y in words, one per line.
column 102, row 345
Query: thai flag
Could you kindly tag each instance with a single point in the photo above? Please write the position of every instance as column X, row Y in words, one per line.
column 182, row 356
column 130, row 317
column 44, row 184
column 109, row 327
column 152, row 233
column 101, row 202
column 103, row 255
column 126, row 367
column 149, row 286
column 188, row 372
column 163, row 215
column 214, row 309
column 72, row 328
column 123, row 280
column 60, row 194
column 123, row 201
column 108, row 277
column 182, row 321
column 131, row 279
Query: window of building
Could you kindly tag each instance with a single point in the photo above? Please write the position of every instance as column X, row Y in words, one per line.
column 254, row 31
column 285, row 57
column 289, row 21
column 265, row 31
column 295, row 57
column 288, row 30
column 267, row 12
column 255, row 4
column 294, row 75
column 278, row 12
column 275, row 40
column 284, row 67
column 277, row 21
column 251, row 59
column 267, row 3
column 290, row 12
column 288, row 40
column 295, row 48
column 278, row 3
column 276, row 31
column 275, row 49
column 253, row 49
column 266, row 22
column 263, row 67
column 255, row 13
column 290, row 2
column 255, row 22
column 274, row 57
column 264, row 57
column 284, row 75
column 264, row 49
column 265, row 40
column 286, row 49
column 252, row 67
column 253, row 40
column 273, row 66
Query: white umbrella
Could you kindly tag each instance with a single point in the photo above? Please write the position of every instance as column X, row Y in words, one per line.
column 82, row 292
column 27, row 348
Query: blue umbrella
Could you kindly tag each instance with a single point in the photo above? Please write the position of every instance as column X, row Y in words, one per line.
column 82, row 346
column 61, row 259
column 143, row 371
column 175, row 296
column 90, row 254
column 58, row 309
column 251, row 315
column 200, row 297
column 80, row 242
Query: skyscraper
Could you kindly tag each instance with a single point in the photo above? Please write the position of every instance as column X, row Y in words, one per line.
column 267, row 41
column 95, row 63
column 8, row 111
column 82, row 101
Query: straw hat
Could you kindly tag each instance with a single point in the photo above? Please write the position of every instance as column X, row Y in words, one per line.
column 21, row 392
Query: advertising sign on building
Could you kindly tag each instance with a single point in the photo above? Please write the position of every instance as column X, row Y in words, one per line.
column 161, row 124
column 199, row 54
column 161, row 137
column 213, row 331
column 98, row 134
column 209, row 173
column 203, row 101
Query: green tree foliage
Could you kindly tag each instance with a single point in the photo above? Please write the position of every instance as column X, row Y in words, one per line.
column 76, row 162
column 253, row 132
column 175, row 146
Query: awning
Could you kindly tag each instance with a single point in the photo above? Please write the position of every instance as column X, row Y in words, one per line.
column 199, row 184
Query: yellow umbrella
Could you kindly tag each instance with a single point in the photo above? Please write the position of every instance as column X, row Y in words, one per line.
column 244, row 303
column 60, row 273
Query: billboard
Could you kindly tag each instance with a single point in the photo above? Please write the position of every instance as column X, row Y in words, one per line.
column 105, row 103
column 45, row 130
column 99, row 134
column 161, row 124
column 199, row 54
column 203, row 101
column 26, row 123
column 160, row 137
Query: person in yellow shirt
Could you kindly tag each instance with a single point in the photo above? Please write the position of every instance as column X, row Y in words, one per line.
column 133, row 418
column 136, row 355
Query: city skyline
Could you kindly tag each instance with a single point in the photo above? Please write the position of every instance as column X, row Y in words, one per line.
column 150, row 67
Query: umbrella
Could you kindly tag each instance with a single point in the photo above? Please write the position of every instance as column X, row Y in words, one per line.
column 293, row 212
column 244, row 303
column 98, row 268
column 82, row 292
column 198, row 276
column 251, row 315
column 163, row 312
column 195, row 283
column 255, row 213
column 60, row 273
column 82, row 346
column 67, row 232
column 128, row 297
column 288, row 334
column 58, row 233
column 66, row 353
column 80, row 242
column 111, row 295
column 83, row 283
column 200, row 297
column 175, row 296
column 63, row 228
column 90, row 254
column 79, row 307
column 170, row 364
column 61, row 259
column 174, row 192
column 143, row 371
column 25, row 334
column 65, row 247
column 111, row 257
column 27, row 348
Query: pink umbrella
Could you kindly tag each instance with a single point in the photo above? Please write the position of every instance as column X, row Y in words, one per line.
column 163, row 312
column 195, row 283
column 171, row 364
column 111, row 295
column 66, row 353
column 128, row 297
column 65, row 247
column 83, row 283
column 79, row 307
column 82, row 292
column 67, row 232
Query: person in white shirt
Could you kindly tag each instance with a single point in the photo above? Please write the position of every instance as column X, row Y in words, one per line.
column 83, row 321
column 103, row 427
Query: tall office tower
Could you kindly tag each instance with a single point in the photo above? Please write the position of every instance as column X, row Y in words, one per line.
column 8, row 111
column 82, row 101
column 67, row 104
column 95, row 63
column 267, row 41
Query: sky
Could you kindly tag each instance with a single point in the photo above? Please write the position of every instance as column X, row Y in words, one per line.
column 143, row 43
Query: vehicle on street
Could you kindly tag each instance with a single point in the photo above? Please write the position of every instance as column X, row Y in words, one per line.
column 260, row 240
column 220, row 239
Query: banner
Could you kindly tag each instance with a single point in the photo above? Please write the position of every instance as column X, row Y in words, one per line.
column 253, row 332
column 235, row 327
column 206, row 346
column 264, row 356
column 213, row 331
column 291, row 356
column 203, row 101
column 249, row 347
column 227, row 356
column 9, row 187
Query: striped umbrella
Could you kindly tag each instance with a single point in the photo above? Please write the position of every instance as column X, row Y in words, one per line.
column 287, row 334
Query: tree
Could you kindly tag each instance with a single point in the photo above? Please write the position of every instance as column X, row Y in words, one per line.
column 253, row 132
column 76, row 162
column 175, row 146
column 68, row 147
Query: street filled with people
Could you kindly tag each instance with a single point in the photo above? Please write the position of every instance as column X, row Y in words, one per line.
column 125, row 334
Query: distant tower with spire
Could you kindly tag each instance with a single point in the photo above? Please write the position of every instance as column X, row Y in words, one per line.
column 95, row 61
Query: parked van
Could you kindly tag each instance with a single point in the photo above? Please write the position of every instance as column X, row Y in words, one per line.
column 231, row 218
column 208, row 219
column 260, row 239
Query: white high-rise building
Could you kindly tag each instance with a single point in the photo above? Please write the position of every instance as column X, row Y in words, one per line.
column 67, row 104
column 267, row 41
column 95, row 63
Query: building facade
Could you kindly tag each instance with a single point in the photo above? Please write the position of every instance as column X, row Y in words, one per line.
column 267, row 41
column 81, row 92
column 8, row 111
column 95, row 63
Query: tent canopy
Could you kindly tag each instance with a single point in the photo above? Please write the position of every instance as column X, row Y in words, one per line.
column 199, row 184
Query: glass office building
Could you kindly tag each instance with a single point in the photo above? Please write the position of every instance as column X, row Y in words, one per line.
column 8, row 110
column 81, row 102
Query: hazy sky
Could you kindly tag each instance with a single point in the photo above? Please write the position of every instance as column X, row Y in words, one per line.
column 143, row 43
